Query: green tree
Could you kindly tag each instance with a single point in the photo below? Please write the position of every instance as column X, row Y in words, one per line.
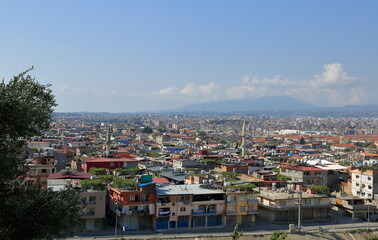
column 97, row 171
column 320, row 189
column 236, row 234
column 147, row 129
column 27, row 211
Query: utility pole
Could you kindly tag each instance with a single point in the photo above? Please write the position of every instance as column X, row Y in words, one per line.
column 116, row 223
column 299, row 203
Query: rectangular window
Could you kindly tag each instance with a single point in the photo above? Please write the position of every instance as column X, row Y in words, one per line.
column 132, row 198
column 182, row 209
column 44, row 170
column 92, row 199
column 369, row 178
column 242, row 198
column 242, row 209
column 133, row 208
column 251, row 208
column 307, row 201
column 282, row 203
column 112, row 164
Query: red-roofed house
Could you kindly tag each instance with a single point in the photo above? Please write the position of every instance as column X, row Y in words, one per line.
column 306, row 176
column 109, row 163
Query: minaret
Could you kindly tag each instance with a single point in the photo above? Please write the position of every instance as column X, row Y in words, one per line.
column 243, row 140
column 107, row 142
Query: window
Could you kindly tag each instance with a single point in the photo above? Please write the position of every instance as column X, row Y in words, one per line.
column 173, row 214
column 307, row 201
column 92, row 199
column 44, row 170
column 132, row 198
column 242, row 198
column 144, row 197
column 357, row 184
column 173, row 204
column 369, row 194
column 369, row 178
column 133, row 208
column 316, row 201
column 182, row 209
column 242, row 208
column 363, row 193
column 282, row 203
column 369, row 186
column 357, row 176
column 251, row 208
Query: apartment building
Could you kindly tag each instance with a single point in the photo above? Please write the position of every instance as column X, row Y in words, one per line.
column 134, row 206
column 365, row 183
column 189, row 206
column 241, row 207
column 281, row 207
column 92, row 201
column 306, row 176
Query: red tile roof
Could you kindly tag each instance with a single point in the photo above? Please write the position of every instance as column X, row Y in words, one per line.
column 71, row 175
column 302, row 168
column 110, row 160
column 160, row 180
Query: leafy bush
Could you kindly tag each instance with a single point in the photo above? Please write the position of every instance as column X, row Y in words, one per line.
column 278, row 235
column 320, row 189
column 97, row 171
column 283, row 178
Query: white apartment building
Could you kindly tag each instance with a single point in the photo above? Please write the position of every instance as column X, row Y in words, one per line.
column 365, row 184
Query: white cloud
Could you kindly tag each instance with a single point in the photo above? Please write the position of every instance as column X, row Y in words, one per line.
column 205, row 92
column 332, row 87
column 334, row 75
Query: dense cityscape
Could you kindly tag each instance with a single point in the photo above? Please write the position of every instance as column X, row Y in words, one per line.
column 165, row 172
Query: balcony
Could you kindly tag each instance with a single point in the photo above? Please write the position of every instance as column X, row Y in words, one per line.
column 359, row 207
column 231, row 212
column 164, row 213
column 184, row 202
column 201, row 212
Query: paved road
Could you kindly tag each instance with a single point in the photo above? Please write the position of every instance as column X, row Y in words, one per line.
column 336, row 223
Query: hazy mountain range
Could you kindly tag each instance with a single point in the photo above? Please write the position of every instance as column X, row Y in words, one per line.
column 275, row 103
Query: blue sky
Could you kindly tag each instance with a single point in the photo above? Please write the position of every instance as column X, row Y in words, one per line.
column 126, row 56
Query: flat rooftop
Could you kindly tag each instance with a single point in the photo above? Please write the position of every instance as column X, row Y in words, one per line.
column 185, row 189
column 278, row 195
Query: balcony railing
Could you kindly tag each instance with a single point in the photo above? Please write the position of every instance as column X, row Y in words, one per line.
column 185, row 201
column 164, row 213
column 199, row 212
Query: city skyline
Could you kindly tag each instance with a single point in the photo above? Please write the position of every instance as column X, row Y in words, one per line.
column 129, row 56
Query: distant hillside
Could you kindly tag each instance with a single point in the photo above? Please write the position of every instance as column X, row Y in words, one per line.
column 276, row 103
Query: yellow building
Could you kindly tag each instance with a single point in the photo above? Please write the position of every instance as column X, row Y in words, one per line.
column 241, row 207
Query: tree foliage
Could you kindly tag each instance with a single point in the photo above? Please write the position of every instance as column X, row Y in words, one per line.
column 97, row 171
column 278, row 235
column 235, row 235
column 320, row 189
column 27, row 211
column 147, row 129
